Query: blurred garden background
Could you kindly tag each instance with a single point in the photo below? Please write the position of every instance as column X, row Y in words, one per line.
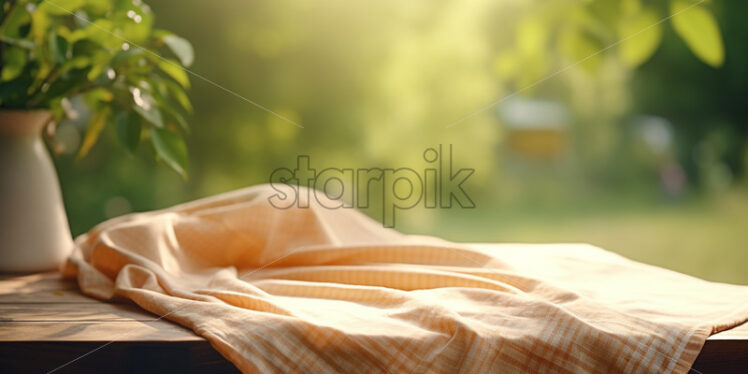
column 641, row 149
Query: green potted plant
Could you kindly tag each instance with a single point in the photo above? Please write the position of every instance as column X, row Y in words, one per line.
column 105, row 54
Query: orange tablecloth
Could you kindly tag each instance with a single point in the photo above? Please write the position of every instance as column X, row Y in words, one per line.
column 320, row 290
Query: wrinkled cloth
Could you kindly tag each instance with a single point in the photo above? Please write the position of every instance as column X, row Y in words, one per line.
column 329, row 290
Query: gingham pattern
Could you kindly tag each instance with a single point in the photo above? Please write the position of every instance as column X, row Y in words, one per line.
column 318, row 290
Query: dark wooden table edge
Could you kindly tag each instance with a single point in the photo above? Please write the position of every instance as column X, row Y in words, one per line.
column 196, row 356
column 728, row 355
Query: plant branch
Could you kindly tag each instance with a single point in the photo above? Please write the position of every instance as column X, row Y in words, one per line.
column 84, row 88
column 7, row 13
column 39, row 95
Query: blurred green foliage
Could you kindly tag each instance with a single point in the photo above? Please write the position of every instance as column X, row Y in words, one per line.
column 376, row 83
column 100, row 53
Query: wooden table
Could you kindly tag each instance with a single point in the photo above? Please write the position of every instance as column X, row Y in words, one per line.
column 45, row 322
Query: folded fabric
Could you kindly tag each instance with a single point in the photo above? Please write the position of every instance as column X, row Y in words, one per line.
column 329, row 290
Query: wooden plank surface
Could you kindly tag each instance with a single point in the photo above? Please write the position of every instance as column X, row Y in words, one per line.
column 92, row 312
column 47, row 324
column 45, row 307
column 47, row 318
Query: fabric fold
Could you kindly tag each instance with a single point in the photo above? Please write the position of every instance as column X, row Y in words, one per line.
column 329, row 290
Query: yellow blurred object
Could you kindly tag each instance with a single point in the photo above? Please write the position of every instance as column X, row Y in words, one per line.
column 542, row 144
column 535, row 128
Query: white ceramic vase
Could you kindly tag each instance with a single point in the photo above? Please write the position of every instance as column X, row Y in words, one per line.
column 34, row 232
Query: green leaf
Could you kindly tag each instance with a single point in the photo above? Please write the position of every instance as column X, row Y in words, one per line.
column 169, row 109
column 135, row 21
column 14, row 21
column 172, row 69
column 75, row 63
column 128, row 129
column 697, row 27
column 152, row 115
column 128, row 57
column 13, row 62
column 181, row 48
column 61, row 86
column 98, row 97
column 99, row 61
column 61, row 7
column 178, row 94
column 171, row 148
column 59, row 48
column 145, row 105
column 99, row 7
column 174, row 116
column 66, row 84
column 13, row 94
column 97, row 123
column 102, row 32
column 641, row 35
column 40, row 23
